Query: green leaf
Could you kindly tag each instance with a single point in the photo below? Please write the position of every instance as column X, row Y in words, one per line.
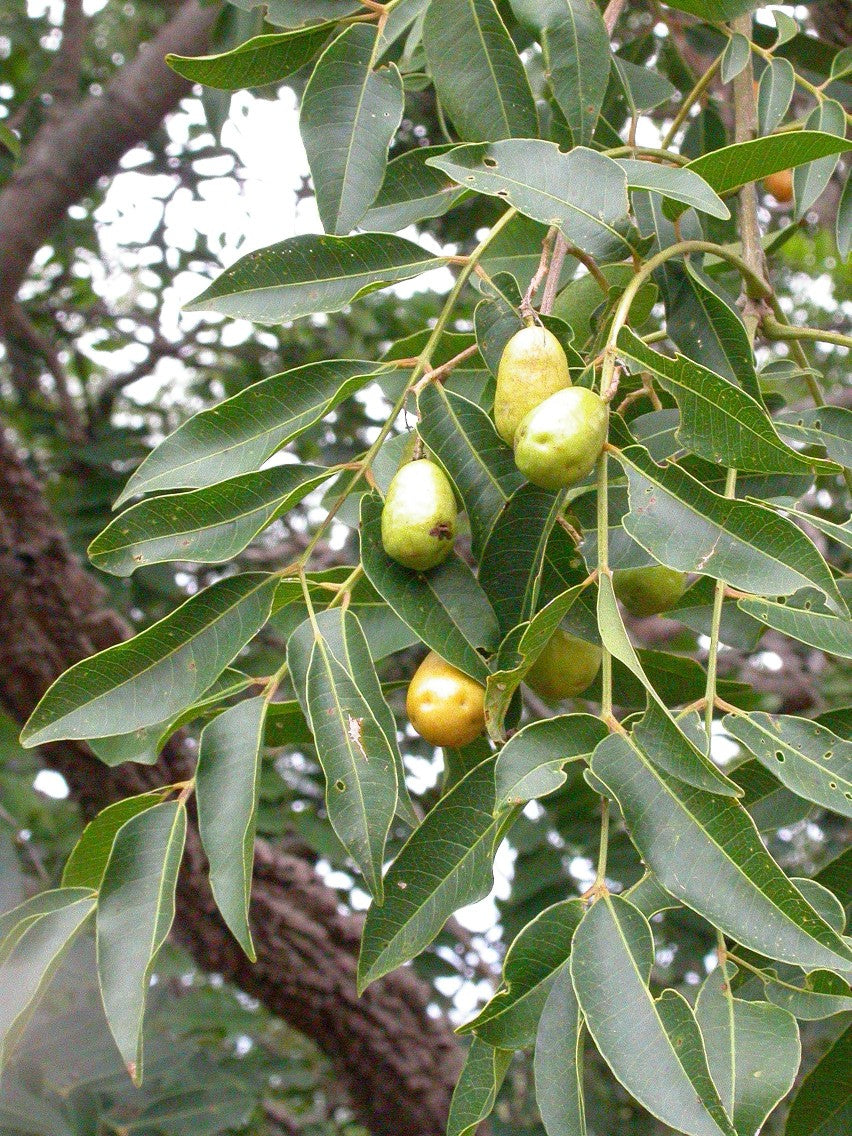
column 238, row 435
column 787, row 27
column 205, row 526
column 146, row 744
column 510, row 1019
column 644, row 88
column 411, row 192
column 309, row 273
column 463, row 439
column 753, row 1051
column 349, row 115
column 29, row 960
column 733, row 166
column 478, row 76
column 806, row 757
column 335, row 680
column 718, row 421
column 611, row 965
column 513, row 560
column 810, row 180
column 843, row 227
column 261, row 60
column 829, row 426
column 677, row 184
column 665, row 737
column 477, row 1087
column 583, row 192
column 531, row 764
column 445, row 607
column 686, row 526
column 735, row 57
column 706, row 851
column 649, row 896
column 822, row 1105
column 14, row 921
column 815, row 996
column 575, row 45
column 296, row 13
column 159, row 672
column 136, row 907
column 87, row 863
column 10, row 140
column 445, row 864
column 715, row 9
column 558, row 1061
column 517, row 654
column 774, row 94
column 799, row 619
column 227, row 780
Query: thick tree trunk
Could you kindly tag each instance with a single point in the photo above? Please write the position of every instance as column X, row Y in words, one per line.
column 397, row 1061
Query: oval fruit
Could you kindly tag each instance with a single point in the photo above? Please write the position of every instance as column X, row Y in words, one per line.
column 565, row 668
column 558, row 443
column 648, row 591
column 532, row 367
column 444, row 705
column 780, row 185
column 419, row 516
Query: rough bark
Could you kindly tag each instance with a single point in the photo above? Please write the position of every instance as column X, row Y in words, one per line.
column 397, row 1061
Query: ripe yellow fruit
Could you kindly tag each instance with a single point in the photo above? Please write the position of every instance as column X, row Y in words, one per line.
column 419, row 516
column 648, row 591
column 444, row 705
column 532, row 367
column 565, row 668
column 558, row 443
column 780, row 185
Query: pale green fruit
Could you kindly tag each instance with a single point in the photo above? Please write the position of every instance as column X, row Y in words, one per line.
column 558, row 443
column 648, row 591
column 565, row 668
column 532, row 367
column 419, row 516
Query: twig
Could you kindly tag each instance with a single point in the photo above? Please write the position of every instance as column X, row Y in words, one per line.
column 527, row 310
column 438, row 374
column 554, row 272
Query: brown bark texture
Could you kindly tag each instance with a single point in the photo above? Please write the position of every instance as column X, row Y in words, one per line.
column 397, row 1060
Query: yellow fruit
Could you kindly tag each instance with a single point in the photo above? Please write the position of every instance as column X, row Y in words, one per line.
column 648, row 591
column 565, row 668
column 558, row 443
column 419, row 516
column 532, row 367
column 780, row 185
column 444, row 705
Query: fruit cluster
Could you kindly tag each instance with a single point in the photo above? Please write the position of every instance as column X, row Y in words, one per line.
column 557, row 432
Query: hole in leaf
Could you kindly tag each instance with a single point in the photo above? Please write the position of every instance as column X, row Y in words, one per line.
column 340, row 785
column 832, row 784
column 502, row 193
column 827, row 756
column 490, row 162
column 779, row 755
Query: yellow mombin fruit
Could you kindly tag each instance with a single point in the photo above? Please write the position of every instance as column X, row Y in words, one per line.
column 565, row 668
column 532, row 367
column 780, row 185
column 558, row 443
column 419, row 516
column 648, row 591
column 444, row 705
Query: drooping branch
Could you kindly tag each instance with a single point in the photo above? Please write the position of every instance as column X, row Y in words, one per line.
column 397, row 1061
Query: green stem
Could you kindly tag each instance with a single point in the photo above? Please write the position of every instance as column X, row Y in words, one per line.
column 422, row 365
column 722, row 952
column 773, row 329
column 690, row 100
column 756, row 286
column 603, row 570
column 647, row 152
column 715, row 626
column 600, row 875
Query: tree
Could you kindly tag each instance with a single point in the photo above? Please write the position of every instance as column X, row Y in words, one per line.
column 641, row 849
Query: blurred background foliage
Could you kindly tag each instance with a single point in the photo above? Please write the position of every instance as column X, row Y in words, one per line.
column 105, row 294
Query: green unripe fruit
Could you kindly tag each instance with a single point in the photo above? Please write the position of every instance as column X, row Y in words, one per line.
column 419, row 516
column 648, row 591
column 532, row 367
column 565, row 668
column 558, row 443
